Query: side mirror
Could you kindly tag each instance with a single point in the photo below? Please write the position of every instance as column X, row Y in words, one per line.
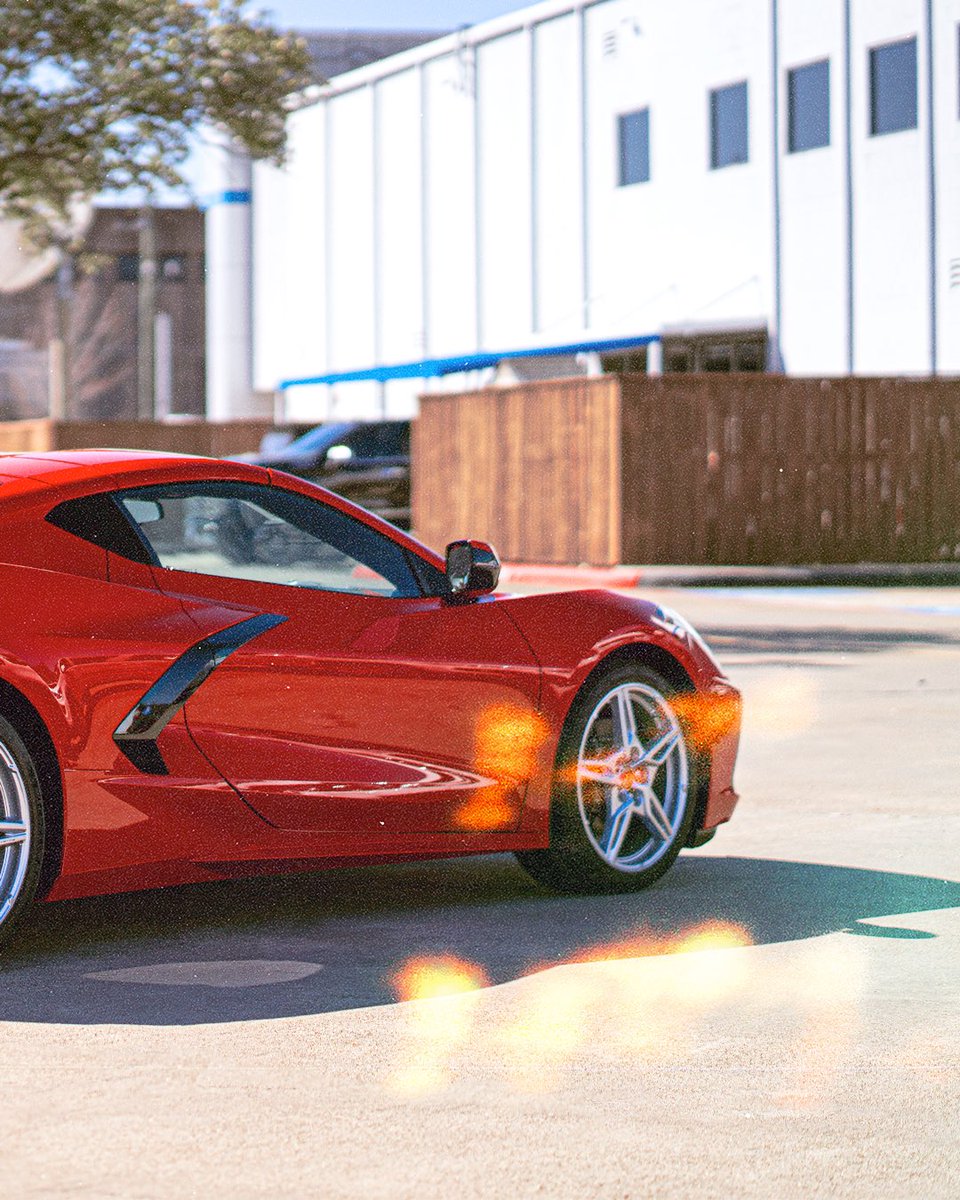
column 339, row 453
column 472, row 567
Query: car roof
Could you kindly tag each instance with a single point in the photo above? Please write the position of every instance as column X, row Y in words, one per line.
column 47, row 462
column 55, row 468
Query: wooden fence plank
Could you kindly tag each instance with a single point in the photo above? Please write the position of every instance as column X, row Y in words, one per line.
column 696, row 468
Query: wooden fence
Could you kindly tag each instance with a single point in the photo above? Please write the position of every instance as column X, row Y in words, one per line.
column 695, row 468
column 216, row 440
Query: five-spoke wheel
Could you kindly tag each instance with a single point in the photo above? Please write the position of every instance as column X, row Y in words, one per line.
column 21, row 827
column 624, row 787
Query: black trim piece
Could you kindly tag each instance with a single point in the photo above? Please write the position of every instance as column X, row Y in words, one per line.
column 136, row 735
column 99, row 520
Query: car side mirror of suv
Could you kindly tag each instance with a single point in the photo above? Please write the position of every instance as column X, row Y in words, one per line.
column 472, row 568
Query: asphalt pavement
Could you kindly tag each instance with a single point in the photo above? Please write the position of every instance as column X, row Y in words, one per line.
column 777, row 1018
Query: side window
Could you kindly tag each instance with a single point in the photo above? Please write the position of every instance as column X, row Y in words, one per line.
column 267, row 535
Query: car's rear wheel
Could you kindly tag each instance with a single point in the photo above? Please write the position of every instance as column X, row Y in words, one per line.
column 21, row 827
column 624, row 787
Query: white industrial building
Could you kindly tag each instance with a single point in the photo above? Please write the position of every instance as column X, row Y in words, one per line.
column 675, row 184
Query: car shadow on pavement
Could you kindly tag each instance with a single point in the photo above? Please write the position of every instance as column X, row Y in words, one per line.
column 818, row 639
column 305, row 944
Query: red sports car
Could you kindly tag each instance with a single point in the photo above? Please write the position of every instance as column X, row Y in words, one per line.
column 210, row 668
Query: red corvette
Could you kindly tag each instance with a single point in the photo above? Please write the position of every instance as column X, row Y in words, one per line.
column 209, row 669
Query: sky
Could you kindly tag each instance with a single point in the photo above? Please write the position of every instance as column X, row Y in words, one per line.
column 385, row 14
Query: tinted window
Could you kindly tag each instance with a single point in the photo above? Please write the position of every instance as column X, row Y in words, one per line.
column 97, row 519
column 379, row 440
column 729, row 142
column 245, row 531
column 634, row 131
column 893, row 87
column 808, row 107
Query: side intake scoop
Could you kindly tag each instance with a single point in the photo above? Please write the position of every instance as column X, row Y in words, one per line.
column 136, row 735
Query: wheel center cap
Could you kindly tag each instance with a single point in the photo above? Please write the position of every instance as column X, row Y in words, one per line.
column 634, row 777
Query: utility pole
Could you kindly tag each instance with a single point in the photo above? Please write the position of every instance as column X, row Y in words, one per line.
column 146, row 314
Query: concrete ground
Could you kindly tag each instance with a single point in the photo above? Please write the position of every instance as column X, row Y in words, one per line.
column 778, row 1017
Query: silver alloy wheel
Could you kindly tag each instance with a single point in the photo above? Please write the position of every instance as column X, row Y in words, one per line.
column 15, row 831
column 632, row 777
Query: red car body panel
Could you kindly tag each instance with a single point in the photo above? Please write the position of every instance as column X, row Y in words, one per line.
column 355, row 726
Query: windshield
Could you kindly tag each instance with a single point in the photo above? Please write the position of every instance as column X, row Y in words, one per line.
column 321, row 438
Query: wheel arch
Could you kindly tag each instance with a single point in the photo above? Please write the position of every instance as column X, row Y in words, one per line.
column 22, row 715
column 644, row 653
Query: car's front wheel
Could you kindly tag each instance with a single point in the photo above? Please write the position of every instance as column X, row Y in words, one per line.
column 21, row 827
column 624, row 787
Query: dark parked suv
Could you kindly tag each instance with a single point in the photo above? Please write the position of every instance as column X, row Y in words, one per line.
column 365, row 461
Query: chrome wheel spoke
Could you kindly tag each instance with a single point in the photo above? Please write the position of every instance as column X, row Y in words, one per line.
column 618, row 822
column 625, row 719
column 16, row 842
column 12, row 833
column 597, row 770
column 661, row 749
column 654, row 817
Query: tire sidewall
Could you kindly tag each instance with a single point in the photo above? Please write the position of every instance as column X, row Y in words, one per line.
column 15, row 746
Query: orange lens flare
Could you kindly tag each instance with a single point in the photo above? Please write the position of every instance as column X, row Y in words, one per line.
column 487, row 809
column 711, row 935
column 507, row 741
column 707, row 717
column 428, row 977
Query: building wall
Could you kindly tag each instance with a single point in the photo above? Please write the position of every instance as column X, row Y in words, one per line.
column 464, row 196
column 103, row 319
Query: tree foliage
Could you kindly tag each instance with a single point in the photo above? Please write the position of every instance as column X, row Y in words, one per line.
column 102, row 95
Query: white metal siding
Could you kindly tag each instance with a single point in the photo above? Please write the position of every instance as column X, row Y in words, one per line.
column 451, row 213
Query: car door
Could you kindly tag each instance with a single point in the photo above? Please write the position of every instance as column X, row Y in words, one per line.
column 365, row 706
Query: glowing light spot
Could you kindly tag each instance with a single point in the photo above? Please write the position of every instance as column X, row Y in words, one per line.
column 488, row 808
column 706, row 717
column 507, row 740
column 429, row 977
column 436, row 1032
column 712, row 935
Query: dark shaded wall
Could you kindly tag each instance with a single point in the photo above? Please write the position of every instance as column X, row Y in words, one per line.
column 103, row 325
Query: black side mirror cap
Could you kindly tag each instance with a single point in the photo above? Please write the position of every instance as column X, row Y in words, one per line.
column 472, row 568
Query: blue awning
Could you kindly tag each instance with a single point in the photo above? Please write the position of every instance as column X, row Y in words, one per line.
column 432, row 368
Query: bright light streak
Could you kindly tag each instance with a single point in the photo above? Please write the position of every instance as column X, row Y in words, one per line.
column 605, row 1003
column 439, row 1027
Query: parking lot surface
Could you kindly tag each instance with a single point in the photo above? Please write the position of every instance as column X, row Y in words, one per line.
column 778, row 1017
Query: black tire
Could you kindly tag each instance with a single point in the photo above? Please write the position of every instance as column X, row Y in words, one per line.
column 21, row 811
column 588, row 814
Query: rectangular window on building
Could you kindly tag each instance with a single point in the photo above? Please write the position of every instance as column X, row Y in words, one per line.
column 729, row 143
column 744, row 350
column 808, row 107
column 634, row 130
column 128, row 268
column 893, row 87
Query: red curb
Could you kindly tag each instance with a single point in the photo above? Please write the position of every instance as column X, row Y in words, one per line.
column 570, row 576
